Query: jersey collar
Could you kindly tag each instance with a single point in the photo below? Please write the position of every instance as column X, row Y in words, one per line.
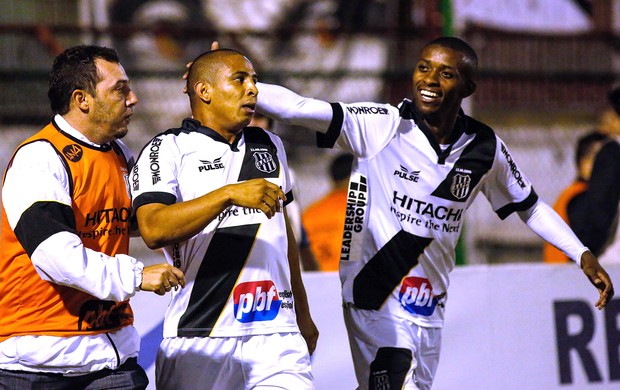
column 192, row 124
column 64, row 127
column 409, row 111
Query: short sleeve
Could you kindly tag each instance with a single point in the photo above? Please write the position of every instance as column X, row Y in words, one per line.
column 154, row 176
column 366, row 127
column 506, row 187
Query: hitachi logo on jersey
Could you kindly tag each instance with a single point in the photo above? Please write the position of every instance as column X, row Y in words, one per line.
column 405, row 174
column 416, row 296
column 421, row 207
column 154, row 160
column 211, row 165
column 513, row 166
column 107, row 216
column 256, row 301
column 367, row 110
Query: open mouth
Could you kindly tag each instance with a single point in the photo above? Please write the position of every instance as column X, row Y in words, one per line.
column 427, row 95
column 250, row 107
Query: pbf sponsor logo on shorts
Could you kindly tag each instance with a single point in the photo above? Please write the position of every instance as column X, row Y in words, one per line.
column 256, row 301
column 416, row 296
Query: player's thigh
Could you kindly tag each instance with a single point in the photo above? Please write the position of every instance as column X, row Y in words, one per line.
column 198, row 363
column 388, row 351
column 427, row 356
column 277, row 361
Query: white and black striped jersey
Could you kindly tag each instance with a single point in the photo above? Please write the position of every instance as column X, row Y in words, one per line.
column 407, row 196
column 237, row 269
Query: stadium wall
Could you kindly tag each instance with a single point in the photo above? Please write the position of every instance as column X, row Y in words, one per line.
column 508, row 326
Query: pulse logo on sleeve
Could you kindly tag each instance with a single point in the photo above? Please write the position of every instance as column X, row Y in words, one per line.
column 416, row 296
column 256, row 301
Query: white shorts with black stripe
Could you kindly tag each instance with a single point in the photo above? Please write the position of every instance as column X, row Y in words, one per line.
column 391, row 353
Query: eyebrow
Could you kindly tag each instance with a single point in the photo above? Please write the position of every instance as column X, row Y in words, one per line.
column 120, row 82
column 442, row 65
column 243, row 73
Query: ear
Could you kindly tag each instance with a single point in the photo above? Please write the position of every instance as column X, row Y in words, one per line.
column 203, row 91
column 470, row 88
column 80, row 99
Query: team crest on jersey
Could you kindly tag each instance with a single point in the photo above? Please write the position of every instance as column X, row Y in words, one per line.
column 264, row 161
column 73, row 152
column 460, row 185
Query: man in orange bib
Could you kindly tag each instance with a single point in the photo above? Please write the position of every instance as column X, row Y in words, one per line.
column 66, row 278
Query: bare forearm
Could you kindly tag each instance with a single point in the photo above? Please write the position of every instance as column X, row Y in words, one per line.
column 161, row 225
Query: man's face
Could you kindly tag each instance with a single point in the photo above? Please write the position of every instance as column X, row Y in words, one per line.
column 233, row 95
column 113, row 101
column 440, row 81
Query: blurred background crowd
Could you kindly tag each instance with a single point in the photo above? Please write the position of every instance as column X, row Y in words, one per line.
column 546, row 67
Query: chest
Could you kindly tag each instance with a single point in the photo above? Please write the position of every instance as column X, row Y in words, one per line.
column 409, row 165
column 207, row 166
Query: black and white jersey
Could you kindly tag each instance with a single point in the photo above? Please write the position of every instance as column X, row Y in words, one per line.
column 237, row 269
column 406, row 203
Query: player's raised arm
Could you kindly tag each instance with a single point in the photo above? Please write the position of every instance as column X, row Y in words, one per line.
column 288, row 107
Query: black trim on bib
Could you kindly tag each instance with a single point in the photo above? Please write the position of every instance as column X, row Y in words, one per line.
column 41, row 221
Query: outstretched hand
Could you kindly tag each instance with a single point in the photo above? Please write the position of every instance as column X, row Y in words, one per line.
column 214, row 46
column 599, row 279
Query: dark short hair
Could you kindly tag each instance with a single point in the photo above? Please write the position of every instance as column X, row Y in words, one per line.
column 75, row 68
column 614, row 99
column 459, row 45
column 340, row 167
column 206, row 64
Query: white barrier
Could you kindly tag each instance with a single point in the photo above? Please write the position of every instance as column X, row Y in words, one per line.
column 515, row 326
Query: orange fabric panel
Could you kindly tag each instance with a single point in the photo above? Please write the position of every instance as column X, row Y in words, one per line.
column 324, row 223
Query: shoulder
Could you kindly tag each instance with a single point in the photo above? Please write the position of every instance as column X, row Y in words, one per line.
column 168, row 136
column 124, row 149
column 611, row 147
column 259, row 135
column 36, row 158
column 474, row 126
column 37, row 152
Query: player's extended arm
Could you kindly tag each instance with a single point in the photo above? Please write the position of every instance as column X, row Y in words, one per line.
column 161, row 224
column 545, row 222
column 286, row 106
column 306, row 325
